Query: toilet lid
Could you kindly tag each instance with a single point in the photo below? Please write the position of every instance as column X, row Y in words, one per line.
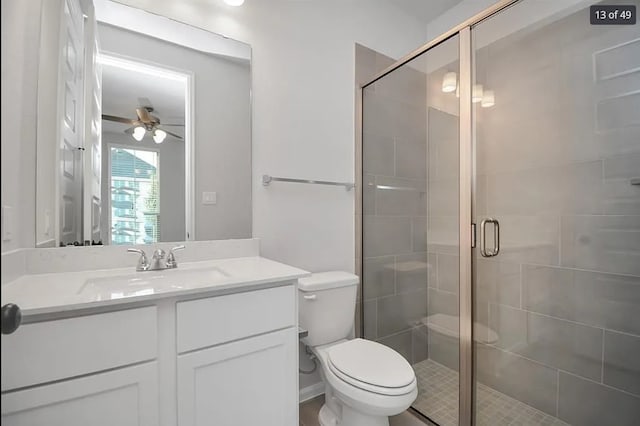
column 371, row 363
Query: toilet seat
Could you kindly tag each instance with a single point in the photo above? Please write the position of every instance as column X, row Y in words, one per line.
column 372, row 367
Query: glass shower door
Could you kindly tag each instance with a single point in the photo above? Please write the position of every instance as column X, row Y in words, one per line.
column 557, row 266
column 410, row 221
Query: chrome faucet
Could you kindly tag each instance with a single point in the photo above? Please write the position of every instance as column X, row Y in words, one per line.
column 143, row 262
column 171, row 258
column 159, row 261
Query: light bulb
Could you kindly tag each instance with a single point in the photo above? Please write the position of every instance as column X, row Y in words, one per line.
column 138, row 133
column 488, row 99
column 234, row 2
column 159, row 135
column 449, row 82
column 476, row 93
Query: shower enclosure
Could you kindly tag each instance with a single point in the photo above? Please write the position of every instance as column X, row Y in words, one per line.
column 501, row 217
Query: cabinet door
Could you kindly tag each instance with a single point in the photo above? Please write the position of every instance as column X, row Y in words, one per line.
column 123, row 397
column 248, row 382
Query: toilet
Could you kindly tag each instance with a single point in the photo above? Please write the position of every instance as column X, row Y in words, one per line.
column 365, row 382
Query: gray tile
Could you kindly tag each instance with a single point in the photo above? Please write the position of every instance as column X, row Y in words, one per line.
column 622, row 167
column 419, row 232
column 443, row 196
column 557, row 343
column 370, row 319
column 448, row 273
column 443, row 145
column 411, row 158
column 444, row 350
column 619, row 197
column 379, row 277
column 511, row 326
column 565, row 189
column 401, row 343
column 400, row 197
column 386, row 235
column 602, row 243
column 365, row 63
column 498, row 282
column 622, row 361
column 378, row 116
column 525, row 380
column 378, row 154
column 368, row 194
column 529, row 239
column 583, row 402
column 411, row 272
column 400, row 312
column 419, row 344
column 604, row 300
column 432, row 259
column 441, row 302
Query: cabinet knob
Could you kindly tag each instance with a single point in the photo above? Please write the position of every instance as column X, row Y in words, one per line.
column 11, row 318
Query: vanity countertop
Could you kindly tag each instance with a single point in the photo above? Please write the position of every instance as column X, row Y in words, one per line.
column 55, row 293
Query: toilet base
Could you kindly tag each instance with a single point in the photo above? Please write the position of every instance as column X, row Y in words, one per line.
column 350, row 417
column 326, row 417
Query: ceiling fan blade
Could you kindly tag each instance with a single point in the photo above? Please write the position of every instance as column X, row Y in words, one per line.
column 176, row 124
column 171, row 133
column 118, row 119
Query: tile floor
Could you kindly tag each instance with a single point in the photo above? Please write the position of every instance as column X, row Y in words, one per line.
column 438, row 399
column 309, row 415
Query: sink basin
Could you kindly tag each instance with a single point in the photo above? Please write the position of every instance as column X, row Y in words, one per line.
column 150, row 282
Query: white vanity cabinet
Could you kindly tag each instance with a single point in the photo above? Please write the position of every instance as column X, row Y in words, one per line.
column 238, row 381
column 95, row 369
column 124, row 397
column 200, row 359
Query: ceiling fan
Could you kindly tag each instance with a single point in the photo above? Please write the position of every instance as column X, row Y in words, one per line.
column 145, row 122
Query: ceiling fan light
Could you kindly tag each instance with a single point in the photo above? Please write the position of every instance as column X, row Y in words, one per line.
column 234, row 2
column 138, row 133
column 159, row 135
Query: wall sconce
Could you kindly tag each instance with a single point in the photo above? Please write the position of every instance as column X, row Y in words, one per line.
column 449, row 83
column 488, row 99
column 476, row 94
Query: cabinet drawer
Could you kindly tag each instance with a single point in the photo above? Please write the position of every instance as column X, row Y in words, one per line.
column 55, row 350
column 215, row 320
column 124, row 396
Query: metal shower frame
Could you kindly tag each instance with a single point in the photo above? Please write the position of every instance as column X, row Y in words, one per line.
column 466, row 189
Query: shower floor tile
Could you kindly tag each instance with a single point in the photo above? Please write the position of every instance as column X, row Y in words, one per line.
column 438, row 399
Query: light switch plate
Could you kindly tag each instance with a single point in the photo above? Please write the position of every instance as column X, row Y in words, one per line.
column 209, row 198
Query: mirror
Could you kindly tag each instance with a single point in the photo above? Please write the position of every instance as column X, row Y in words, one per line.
column 144, row 129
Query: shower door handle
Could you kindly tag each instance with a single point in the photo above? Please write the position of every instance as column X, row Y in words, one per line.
column 483, row 238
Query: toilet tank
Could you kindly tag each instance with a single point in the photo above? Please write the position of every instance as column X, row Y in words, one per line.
column 326, row 306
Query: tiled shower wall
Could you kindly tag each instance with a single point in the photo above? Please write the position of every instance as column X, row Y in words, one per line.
column 395, row 207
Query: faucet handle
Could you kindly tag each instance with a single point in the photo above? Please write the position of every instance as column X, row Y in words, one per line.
column 143, row 262
column 171, row 258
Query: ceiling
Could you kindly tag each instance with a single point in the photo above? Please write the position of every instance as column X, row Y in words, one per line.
column 425, row 10
column 122, row 88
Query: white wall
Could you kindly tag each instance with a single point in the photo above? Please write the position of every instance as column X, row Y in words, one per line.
column 20, row 40
column 303, row 111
